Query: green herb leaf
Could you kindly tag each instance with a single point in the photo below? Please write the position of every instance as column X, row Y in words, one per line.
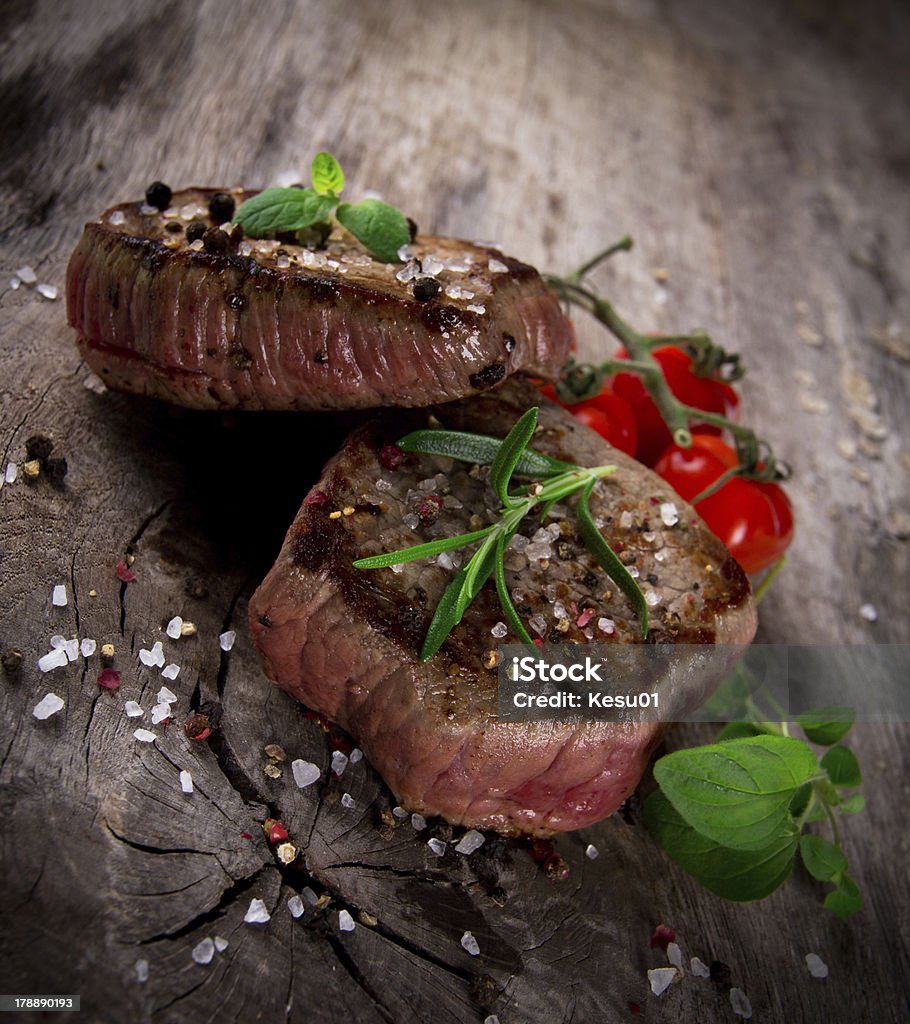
column 479, row 449
column 282, row 209
column 827, row 725
column 380, row 227
column 842, row 767
column 433, row 547
column 608, row 559
column 732, row 874
column 738, row 731
column 444, row 617
column 737, row 793
column 327, row 175
column 508, row 454
column 478, row 572
column 505, row 598
column 801, row 799
column 846, row 898
column 822, row 858
column 853, row 804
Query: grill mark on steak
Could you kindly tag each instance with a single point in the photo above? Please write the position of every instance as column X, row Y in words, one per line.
column 334, row 329
column 346, row 642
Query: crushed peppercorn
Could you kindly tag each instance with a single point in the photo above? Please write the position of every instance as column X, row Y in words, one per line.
column 425, row 288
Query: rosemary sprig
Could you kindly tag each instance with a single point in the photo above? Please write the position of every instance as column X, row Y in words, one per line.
column 507, row 458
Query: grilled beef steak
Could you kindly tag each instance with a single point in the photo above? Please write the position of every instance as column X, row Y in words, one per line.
column 169, row 304
column 345, row 642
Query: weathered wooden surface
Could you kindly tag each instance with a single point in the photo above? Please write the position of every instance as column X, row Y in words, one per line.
column 760, row 153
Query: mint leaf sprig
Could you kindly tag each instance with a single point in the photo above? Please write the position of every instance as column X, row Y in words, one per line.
column 507, row 457
column 732, row 813
column 381, row 228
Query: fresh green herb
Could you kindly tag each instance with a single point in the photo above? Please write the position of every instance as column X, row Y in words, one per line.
column 732, row 813
column 381, row 228
column 506, row 458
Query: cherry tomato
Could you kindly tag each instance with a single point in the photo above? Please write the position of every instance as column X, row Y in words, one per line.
column 753, row 519
column 605, row 413
column 700, row 392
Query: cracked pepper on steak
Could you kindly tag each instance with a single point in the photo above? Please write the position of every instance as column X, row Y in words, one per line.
column 219, row 322
column 346, row 642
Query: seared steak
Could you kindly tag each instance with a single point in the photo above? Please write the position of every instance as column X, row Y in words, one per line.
column 346, row 642
column 215, row 321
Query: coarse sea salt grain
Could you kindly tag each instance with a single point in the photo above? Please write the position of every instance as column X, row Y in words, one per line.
column 186, row 781
column 166, row 696
column 131, row 709
column 296, row 907
column 142, row 971
column 58, row 597
column 226, row 640
column 47, row 291
column 674, row 955
column 437, row 846
column 418, row 822
column 591, row 852
column 606, row 625
column 399, row 813
column 26, row 275
column 348, row 802
column 204, row 952
column 355, row 755
column 661, row 978
column 699, row 968
column 305, row 772
column 339, row 762
column 221, row 944
column 53, row 659
column 170, row 671
column 740, row 1003
column 497, row 266
column 469, row 944
column 669, row 514
column 88, row 647
column 12, row 471
column 154, row 657
column 14, row 283
column 470, row 841
column 173, row 627
column 307, row 893
column 816, row 966
column 144, row 736
column 47, row 706
column 869, row 612
column 492, row 1019
column 345, row 921
column 72, row 649
column 257, row 913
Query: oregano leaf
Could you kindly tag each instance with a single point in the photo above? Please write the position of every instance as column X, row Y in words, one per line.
column 282, row 209
column 822, row 858
column 381, row 228
column 327, row 175
column 842, row 767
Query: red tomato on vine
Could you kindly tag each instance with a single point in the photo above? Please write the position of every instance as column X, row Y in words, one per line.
column 605, row 413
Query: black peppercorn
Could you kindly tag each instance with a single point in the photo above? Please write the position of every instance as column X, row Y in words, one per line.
column 221, row 207
column 195, row 230
column 158, row 195
column 215, row 241
column 38, row 447
column 425, row 288
column 174, row 226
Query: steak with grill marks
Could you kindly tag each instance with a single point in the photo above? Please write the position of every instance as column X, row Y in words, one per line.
column 218, row 322
column 346, row 642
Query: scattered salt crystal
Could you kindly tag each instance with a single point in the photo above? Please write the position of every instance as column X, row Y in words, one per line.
column 307, row 893
column 94, row 383
column 244, row 249
column 475, row 307
column 339, row 762
column 221, row 944
column 345, row 921
column 170, row 672
column 699, row 968
column 869, row 612
column 355, row 755
column 652, row 598
column 591, row 852
column 47, row 706
column 499, row 630
column 661, row 978
column 142, row 971
column 408, row 272
column 492, row 1019
column 47, row 291
column 12, row 471
column 117, row 217
column 674, row 955
column 53, row 659
column 437, row 846
column 153, row 657
column 497, row 266
column 196, row 246
column 57, row 641
column 740, row 1003
column 14, row 283
column 383, row 485
column 405, row 253
column 559, row 610
column 186, row 782
column 296, row 907
column 469, row 944
column 538, row 623
column 132, row 709
column 203, row 953
column 460, row 266
column 399, row 812
column 817, row 967
column 431, row 266
column 669, row 515
column 606, row 625
column 173, row 627
column 144, row 736
column 347, row 801
column 633, row 572
column 26, row 275
column 418, row 822
column 72, row 649
column 148, row 210
column 282, row 262
column 226, row 640
column 470, row 841
column 411, row 521
column 257, row 914
column 305, row 772
column 166, row 696
column 444, row 561
column 88, row 647
column 58, row 598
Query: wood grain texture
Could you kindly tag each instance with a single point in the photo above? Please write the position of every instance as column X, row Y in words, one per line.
column 759, row 153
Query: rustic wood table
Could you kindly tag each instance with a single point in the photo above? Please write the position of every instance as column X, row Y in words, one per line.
column 760, row 155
